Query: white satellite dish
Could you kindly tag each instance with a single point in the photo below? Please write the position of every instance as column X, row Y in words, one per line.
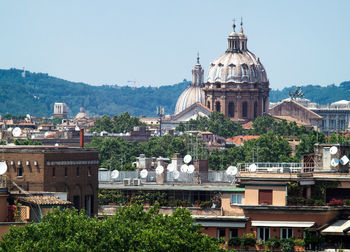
column 334, row 162
column 344, row 160
column 171, row 167
column 3, row 167
column 9, row 129
column 16, row 132
column 144, row 173
column 231, row 170
column 159, row 170
column 187, row 159
column 252, row 168
column 77, row 128
column 184, row 168
column 333, row 150
column 190, row 169
column 56, row 144
column 115, row 174
column 176, row 174
column 28, row 116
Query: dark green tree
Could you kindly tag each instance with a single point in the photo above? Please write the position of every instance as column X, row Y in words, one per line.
column 131, row 229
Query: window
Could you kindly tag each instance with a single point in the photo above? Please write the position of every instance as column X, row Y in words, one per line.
column 263, row 233
column 233, row 232
column 53, row 171
column 218, row 106
column 231, row 109
column 19, row 171
column 236, row 198
column 65, row 171
column 221, row 233
column 208, row 104
column 78, row 172
column 89, row 171
column 265, row 197
column 244, row 109
column 76, row 201
column 286, row 233
column 255, row 110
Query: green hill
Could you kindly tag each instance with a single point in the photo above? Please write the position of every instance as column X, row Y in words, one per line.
column 37, row 92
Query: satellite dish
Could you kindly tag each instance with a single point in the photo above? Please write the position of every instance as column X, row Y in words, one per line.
column 190, row 169
column 231, row 170
column 159, row 170
column 333, row 150
column 252, row 168
column 184, row 168
column 171, row 167
column 176, row 174
column 144, row 173
column 28, row 116
column 344, row 160
column 77, row 128
column 115, row 174
column 3, row 167
column 56, row 144
column 334, row 162
column 9, row 129
column 187, row 159
column 16, row 132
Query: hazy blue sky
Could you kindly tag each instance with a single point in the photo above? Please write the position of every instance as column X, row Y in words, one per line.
column 156, row 42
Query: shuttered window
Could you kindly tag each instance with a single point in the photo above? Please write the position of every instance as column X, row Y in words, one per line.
column 265, row 197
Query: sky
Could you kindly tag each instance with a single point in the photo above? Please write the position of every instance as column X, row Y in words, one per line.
column 155, row 43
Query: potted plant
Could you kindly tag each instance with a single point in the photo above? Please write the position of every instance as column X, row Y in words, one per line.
column 234, row 241
column 197, row 203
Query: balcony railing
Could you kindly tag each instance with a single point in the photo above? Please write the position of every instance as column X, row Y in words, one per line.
column 274, row 168
column 203, row 177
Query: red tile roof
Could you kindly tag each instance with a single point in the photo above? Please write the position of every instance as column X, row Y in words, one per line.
column 238, row 140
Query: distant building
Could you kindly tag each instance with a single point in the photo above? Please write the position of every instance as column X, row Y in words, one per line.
column 60, row 110
column 329, row 119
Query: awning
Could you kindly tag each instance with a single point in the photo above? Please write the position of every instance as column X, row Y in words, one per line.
column 221, row 224
column 340, row 227
column 303, row 224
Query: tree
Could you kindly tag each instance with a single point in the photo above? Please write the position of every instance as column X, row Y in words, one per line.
column 27, row 141
column 216, row 123
column 131, row 229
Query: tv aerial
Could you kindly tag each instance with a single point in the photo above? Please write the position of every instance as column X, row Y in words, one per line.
column 3, row 168
column 184, row 168
column 252, row 168
column 16, row 132
column 159, row 170
column 334, row 162
column 187, row 159
column 231, row 170
column 115, row 174
column 190, row 169
column 171, row 167
column 144, row 173
column 333, row 150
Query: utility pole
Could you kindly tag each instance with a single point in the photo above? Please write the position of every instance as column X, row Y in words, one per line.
column 160, row 113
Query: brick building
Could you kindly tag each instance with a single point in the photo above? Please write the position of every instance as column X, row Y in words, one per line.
column 55, row 169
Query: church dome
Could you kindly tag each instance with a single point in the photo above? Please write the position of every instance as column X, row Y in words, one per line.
column 194, row 93
column 237, row 64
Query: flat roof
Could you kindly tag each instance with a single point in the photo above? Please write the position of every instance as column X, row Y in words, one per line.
column 43, row 148
column 173, row 187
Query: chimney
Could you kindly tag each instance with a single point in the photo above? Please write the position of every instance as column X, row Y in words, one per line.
column 81, row 138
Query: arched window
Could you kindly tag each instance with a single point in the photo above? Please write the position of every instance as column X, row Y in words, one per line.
column 218, row 106
column 244, row 109
column 208, row 105
column 231, row 109
column 255, row 110
column 244, row 70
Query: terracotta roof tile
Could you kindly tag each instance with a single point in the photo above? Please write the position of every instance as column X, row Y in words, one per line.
column 239, row 140
column 44, row 200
